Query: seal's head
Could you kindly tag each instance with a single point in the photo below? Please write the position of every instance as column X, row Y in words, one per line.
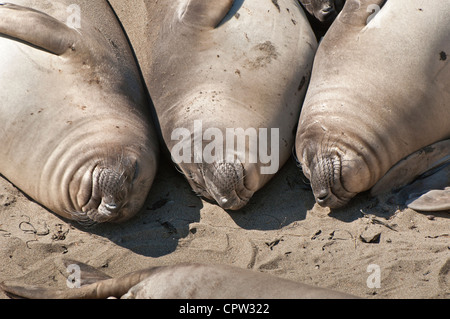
column 112, row 191
column 222, row 182
column 336, row 172
column 323, row 10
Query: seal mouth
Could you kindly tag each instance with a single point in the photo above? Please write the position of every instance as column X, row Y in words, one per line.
column 326, row 14
column 232, row 201
column 94, row 216
column 326, row 198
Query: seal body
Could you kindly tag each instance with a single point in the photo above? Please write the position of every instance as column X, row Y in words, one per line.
column 182, row 281
column 220, row 72
column 379, row 92
column 76, row 133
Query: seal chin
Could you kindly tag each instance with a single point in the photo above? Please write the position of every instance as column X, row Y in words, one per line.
column 91, row 217
column 326, row 198
column 105, row 212
column 236, row 200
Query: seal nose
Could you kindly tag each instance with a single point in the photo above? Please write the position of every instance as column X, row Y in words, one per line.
column 327, row 13
column 322, row 197
column 231, row 202
column 111, row 206
column 327, row 9
column 226, row 203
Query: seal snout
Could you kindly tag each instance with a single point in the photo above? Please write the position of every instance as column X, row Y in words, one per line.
column 326, row 198
column 225, row 184
column 222, row 183
column 326, row 14
column 110, row 191
column 325, row 182
column 322, row 196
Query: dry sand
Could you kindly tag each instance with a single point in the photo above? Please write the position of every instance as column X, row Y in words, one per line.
column 281, row 232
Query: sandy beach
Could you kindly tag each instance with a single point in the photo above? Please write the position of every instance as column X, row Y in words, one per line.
column 371, row 248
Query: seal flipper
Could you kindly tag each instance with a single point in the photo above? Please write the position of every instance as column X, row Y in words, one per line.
column 204, row 14
column 17, row 291
column 413, row 166
column 431, row 192
column 434, row 200
column 88, row 274
column 100, row 290
column 426, row 174
column 36, row 28
column 105, row 288
column 90, row 279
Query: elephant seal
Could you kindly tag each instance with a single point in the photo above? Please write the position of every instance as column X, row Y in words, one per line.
column 76, row 134
column 223, row 74
column 378, row 93
column 182, row 281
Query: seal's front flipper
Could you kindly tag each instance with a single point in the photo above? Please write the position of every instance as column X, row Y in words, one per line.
column 422, row 179
column 430, row 192
column 36, row 28
column 80, row 271
column 427, row 159
column 204, row 14
column 434, row 200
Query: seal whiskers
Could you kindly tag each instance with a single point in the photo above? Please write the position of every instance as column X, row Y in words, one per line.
column 326, row 172
column 225, row 184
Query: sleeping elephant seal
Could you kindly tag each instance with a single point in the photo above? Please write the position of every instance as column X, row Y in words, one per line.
column 182, row 281
column 227, row 79
column 379, row 92
column 75, row 129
